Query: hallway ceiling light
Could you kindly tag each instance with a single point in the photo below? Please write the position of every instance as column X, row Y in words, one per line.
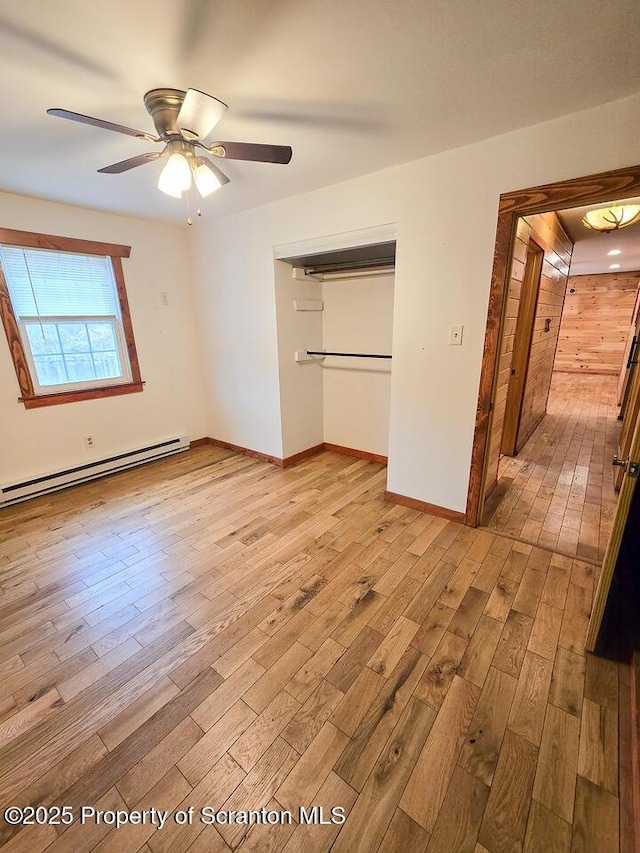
column 614, row 266
column 611, row 218
column 614, row 252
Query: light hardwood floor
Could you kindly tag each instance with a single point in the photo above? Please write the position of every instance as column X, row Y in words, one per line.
column 558, row 492
column 212, row 630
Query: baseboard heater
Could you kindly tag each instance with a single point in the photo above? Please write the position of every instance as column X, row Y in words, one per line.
column 14, row 492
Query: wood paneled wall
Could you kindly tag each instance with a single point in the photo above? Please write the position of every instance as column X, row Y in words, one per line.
column 595, row 323
column 546, row 230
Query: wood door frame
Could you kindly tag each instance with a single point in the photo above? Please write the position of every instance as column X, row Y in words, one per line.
column 522, row 341
column 630, row 353
column 591, row 189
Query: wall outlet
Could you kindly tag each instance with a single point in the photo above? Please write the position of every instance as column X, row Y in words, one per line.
column 455, row 336
column 164, row 298
column 89, row 441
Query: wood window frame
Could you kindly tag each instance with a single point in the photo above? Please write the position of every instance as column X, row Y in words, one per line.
column 591, row 189
column 114, row 251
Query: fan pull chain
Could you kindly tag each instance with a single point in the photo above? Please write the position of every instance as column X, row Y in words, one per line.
column 187, row 197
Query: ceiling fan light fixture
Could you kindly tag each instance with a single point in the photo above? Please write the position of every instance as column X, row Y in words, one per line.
column 182, row 122
column 175, row 178
column 611, row 218
column 207, row 177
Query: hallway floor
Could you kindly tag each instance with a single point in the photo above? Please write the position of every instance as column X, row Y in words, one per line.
column 558, row 492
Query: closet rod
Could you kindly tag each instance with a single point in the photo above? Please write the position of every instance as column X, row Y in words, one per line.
column 348, row 354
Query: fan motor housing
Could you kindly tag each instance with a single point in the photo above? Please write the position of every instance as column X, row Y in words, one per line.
column 163, row 105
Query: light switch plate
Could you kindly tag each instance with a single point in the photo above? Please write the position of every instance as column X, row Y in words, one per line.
column 455, row 336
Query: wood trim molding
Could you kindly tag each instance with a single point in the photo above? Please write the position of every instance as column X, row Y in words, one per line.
column 602, row 187
column 512, row 440
column 41, row 400
column 359, row 454
column 289, row 461
column 32, row 240
column 265, row 457
column 199, row 442
column 14, row 340
column 127, row 325
column 423, row 506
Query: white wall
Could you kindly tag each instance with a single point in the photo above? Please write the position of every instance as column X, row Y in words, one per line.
column 445, row 210
column 300, row 384
column 357, row 317
column 38, row 441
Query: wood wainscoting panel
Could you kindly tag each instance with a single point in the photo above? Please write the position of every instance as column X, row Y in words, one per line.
column 595, row 322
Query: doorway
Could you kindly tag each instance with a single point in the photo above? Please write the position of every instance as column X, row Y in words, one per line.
column 552, row 483
column 514, row 207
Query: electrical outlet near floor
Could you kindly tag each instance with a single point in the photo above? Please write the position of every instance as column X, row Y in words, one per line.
column 89, row 441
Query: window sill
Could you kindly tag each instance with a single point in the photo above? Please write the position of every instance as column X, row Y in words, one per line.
column 60, row 397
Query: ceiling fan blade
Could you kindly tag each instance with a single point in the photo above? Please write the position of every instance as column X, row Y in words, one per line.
column 131, row 163
column 98, row 122
column 199, row 113
column 252, row 151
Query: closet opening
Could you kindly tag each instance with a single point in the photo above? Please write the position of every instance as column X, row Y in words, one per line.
column 334, row 312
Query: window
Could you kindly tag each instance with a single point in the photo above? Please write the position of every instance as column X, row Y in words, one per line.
column 65, row 312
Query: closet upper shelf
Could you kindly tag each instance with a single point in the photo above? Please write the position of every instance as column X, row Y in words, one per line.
column 358, row 260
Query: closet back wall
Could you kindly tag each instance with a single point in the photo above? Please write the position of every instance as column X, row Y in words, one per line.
column 357, row 317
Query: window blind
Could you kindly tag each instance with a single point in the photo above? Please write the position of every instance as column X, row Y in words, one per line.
column 48, row 284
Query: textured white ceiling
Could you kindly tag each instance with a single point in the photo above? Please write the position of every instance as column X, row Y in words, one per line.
column 352, row 85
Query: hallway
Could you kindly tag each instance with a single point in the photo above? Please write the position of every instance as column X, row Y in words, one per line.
column 558, row 492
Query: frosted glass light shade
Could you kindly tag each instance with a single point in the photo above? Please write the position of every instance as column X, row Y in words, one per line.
column 199, row 113
column 611, row 218
column 175, row 177
column 206, row 180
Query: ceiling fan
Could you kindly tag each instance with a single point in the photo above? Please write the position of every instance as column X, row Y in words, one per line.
column 183, row 120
